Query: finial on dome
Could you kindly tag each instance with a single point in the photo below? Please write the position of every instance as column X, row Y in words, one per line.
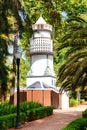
column 40, row 20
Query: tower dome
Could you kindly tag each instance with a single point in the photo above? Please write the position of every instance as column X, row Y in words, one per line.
column 40, row 21
column 41, row 24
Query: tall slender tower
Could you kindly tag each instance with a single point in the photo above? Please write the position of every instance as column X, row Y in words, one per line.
column 41, row 55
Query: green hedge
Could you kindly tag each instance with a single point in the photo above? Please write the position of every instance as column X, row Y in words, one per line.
column 73, row 102
column 9, row 121
column 78, row 124
column 6, row 109
column 84, row 114
column 39, row 113
column 29, row 106
column 82, row 101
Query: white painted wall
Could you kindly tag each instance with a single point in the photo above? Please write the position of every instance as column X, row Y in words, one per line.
column 39, row 64
column 42, row 33
column 65, row 101
column 51, row 81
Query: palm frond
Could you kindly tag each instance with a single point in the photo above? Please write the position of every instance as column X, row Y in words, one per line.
column 78, row 19
column 81, row 70
column 73, row 72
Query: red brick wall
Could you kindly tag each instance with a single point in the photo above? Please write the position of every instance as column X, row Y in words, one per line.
column 30, row 95
column 47, row 97
column 38, row 96
column 41, row 96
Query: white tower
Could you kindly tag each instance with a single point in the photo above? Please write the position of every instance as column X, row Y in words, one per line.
column 41, row 55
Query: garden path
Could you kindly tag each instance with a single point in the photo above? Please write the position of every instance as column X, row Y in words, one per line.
column 57, row 121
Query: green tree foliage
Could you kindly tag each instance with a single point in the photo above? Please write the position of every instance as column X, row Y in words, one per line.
column 74, row 7
column 18, row 16
column 73, row 73
column 3, row 52
column 24, row 68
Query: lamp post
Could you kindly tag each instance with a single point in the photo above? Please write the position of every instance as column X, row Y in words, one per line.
column 18, row 55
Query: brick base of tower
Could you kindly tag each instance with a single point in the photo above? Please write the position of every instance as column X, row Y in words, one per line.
column 45, row 97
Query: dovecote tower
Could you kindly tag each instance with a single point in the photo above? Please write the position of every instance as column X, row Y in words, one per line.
column 41, row 55
column 41, row 80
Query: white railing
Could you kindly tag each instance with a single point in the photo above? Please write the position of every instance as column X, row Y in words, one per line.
column 41, row 45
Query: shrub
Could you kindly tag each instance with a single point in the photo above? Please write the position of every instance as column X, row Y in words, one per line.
column 28, row 111
column 44, row 111
column 78, row 124
column 12, row 109
column 9, row 121
column 84, row 114
column 7, row 109
column 28, row 106
column 82, row 100
column 39, row 113
column 73, row 102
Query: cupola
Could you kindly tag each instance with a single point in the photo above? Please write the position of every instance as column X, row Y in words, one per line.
column 41, row 25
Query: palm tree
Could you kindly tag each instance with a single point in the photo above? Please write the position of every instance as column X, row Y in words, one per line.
column 73, row 73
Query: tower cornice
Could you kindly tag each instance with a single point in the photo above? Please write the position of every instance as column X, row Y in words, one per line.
column 39, row 53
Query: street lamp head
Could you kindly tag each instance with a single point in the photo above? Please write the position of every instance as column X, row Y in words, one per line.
column 18, row 53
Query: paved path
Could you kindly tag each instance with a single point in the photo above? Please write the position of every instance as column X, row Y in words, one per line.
column 57, row 121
